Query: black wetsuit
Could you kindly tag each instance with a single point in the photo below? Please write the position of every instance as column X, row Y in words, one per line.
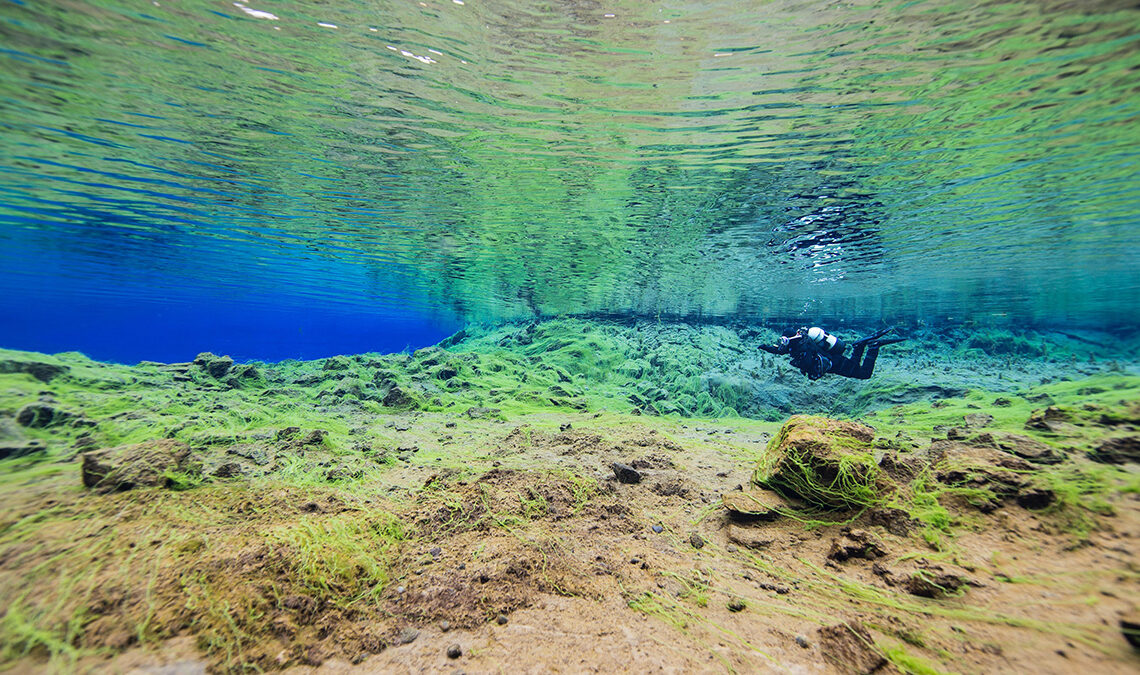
column 815, row 363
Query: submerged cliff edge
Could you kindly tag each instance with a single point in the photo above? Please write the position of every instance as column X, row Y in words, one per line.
column 620, row 496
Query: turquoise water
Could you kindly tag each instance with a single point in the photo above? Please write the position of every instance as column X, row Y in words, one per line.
column 442, row 162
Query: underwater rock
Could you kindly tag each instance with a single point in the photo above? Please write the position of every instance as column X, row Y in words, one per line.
column 850, row 648
column 1053, row 420
column 827, row 463
column 856, row 544
column 933, row 582
column 626, row 473
column 229, row 470
column 396, row 397
column 749, row 537
column 40, row 415
column 128, row 466
column 315, row 437
column 44, row 372
column 479, row 412
column 257, row 454
column 337, row 363
column 978, row 420
column 446, row 372
column 895, row 521
column 1022, row 446
column 1130, row 628
column 215, row 366
column 1003, row 475
column 1117, row 450
column 752, row 505
column 13, row 443
column 429, row 356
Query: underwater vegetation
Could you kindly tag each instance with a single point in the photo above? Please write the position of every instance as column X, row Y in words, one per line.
column 972, row 508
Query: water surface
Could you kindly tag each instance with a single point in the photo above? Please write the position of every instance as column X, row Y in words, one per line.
column 450, row 161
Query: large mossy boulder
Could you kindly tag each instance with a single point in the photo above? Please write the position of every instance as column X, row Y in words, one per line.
column 827, row 463
column 138, row 465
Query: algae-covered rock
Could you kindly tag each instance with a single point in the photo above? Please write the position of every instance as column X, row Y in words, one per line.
column 1022, row 446
column 40, row 415
column 215, row 366
column 1053, row 419
column 129, row 466
column 1117, row 450
column 988, row 475
column 41, row 370
column 851, row 649
column 827, row 463
column 337, row 363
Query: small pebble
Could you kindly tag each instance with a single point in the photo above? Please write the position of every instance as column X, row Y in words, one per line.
column 407, row 635
column 657, row 529
column 502, row 619
column 731, row 548
column 400, row 590
column 696, row 541
column 445, row 626
column 435, row 552
column 634, row 561
column 802, row 641
column 735, row 605
column 454, row 651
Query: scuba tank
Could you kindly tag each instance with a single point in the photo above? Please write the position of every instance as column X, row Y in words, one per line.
column 825, row 342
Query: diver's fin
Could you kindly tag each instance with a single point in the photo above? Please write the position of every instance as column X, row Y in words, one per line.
column 888, row 341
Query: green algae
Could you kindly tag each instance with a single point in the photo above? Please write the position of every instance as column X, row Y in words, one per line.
column 537, row 372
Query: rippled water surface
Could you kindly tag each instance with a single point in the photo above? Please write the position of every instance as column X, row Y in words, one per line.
column 491, row 159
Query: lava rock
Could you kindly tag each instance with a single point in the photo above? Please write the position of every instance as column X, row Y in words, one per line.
column 1130, row 628
column 40, row 415
column 696, row 541
column 337, row 363
column 215, row 366
column 850, row 648
column 895, row 521
column 978, row 420
column 128, row 466
column 1023, row 446
column 1052, row 419
column 479, row 412
column 750, row 537
column 1117, row 450
column 44, row 372
column 626, row 473
column 315, row 437
column 396, row 397
column 856, row 544
column 934, row 583
column 753, row 505
column 812, row 454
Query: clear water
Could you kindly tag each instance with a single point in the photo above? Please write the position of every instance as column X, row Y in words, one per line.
column 373, row 174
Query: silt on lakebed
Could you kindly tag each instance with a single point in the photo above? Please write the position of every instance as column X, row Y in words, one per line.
column 380, row 510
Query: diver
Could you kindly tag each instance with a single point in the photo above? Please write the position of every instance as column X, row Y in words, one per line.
column 815, row 352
